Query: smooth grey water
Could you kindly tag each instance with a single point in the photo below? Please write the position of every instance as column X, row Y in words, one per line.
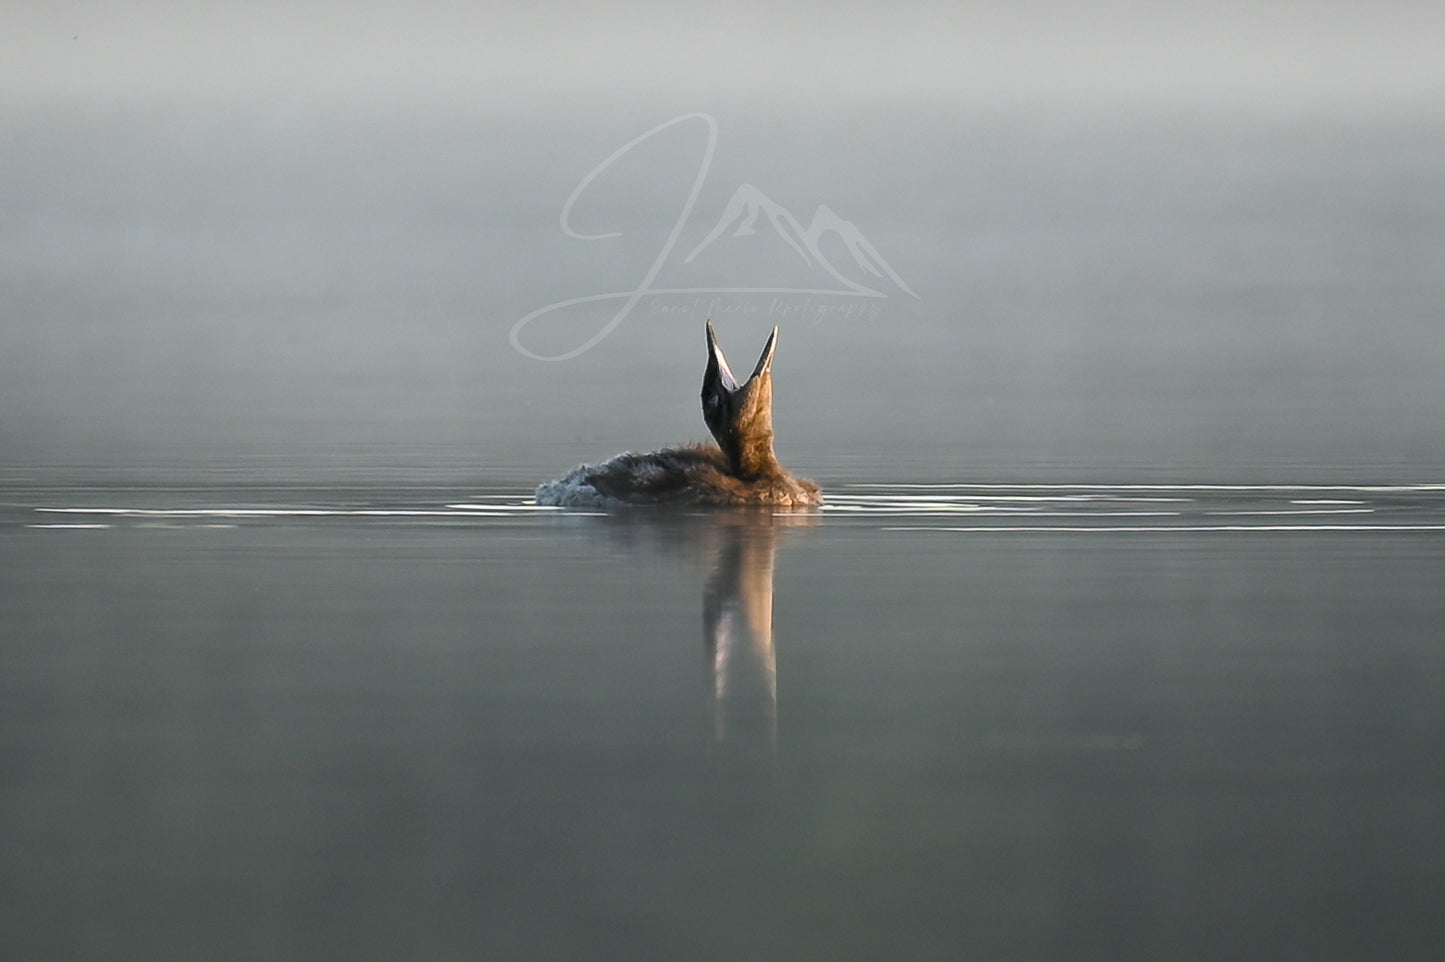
column 1063, row 722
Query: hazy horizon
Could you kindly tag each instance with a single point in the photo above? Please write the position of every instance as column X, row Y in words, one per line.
column 1321, row 55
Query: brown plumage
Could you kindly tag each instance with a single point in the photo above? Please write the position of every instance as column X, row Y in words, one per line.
column 741, row 469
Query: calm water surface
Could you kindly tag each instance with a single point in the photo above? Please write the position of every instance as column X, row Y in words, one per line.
column 945, row 721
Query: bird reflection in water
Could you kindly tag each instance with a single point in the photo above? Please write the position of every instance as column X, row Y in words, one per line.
column 738, row 547
column 737, row 611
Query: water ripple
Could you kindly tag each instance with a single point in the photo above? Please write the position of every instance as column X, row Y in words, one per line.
column 1144, row 508
column 962, row 507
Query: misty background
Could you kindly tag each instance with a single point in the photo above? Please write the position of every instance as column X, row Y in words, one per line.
column 1179, row 241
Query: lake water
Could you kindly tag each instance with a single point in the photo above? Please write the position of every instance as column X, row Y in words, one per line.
column 943, row 721
column 1118, row 638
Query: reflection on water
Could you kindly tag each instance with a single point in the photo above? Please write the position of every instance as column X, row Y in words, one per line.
column 738, row 629
column 738, row 622
column 998, row 721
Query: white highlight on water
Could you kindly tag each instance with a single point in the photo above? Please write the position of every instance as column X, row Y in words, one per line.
column 963, row 507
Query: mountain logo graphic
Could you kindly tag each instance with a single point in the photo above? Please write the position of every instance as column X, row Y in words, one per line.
column 748, row 204
column 748, row 211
